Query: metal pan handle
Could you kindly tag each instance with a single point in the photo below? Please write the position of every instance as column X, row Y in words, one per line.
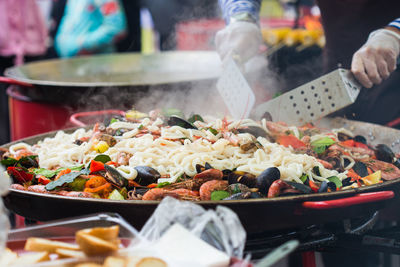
column 10, row 81
column 349, row 201
column 74, row 119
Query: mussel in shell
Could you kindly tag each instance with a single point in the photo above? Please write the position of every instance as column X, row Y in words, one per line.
column 384, row 153
column 146, row 175
column 361, row 169
column 301, row 187
column 109, row 139
column 238, row 188
column 256, row 132
column 177, row 121
column 360, row 139
column 200, row 168
column 245, row 178
column 246, row 195
column 266, row 178
column 113, row 176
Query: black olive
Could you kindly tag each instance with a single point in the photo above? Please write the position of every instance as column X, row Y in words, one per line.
column 361, row 169
column 242, row 177
column 345, row 162
column 146, row 175
column 384, row 153
column 175, row 120
column 360, row 139
column 346, row 181
column 323, row 187
column 301, row 187
column 266, row 178
column 208, row 166
column 332, row 186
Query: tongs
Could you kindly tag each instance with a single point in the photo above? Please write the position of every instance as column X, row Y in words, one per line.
column 309, row 102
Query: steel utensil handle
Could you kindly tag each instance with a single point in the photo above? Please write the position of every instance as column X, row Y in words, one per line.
column 10, row 81
column 349, row 201
column 74, row 118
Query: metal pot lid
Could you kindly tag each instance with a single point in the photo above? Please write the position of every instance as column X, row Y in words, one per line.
column 123, row 69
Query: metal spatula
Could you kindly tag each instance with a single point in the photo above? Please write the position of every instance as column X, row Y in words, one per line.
column 235, row 91
column 312, row 100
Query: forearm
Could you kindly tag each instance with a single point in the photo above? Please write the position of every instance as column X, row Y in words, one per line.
column 232, row 7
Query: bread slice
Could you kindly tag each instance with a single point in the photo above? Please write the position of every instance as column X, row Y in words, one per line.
column 114, row 262
column 92, row 245
column 31, row 258
column 145, row 262
column 105, row 233
column 42, row 244
column 68, row 253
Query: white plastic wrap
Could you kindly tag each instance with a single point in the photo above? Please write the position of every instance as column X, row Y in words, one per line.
column 220, row 228
column 4, row 223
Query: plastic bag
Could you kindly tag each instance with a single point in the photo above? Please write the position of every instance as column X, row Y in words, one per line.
column 4, row 222
column 220, row 228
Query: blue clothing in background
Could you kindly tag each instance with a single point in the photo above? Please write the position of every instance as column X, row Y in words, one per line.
column 232, row 7
column 89, row 27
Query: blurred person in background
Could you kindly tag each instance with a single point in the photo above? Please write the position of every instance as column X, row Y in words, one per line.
column 90, row 27
column 362, row 35
column 23, row 37
column 167, row 14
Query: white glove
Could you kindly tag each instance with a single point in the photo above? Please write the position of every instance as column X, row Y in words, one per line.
column 239, row 38
column 376, row 59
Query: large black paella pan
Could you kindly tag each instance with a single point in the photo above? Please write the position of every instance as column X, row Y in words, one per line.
column 257, row 215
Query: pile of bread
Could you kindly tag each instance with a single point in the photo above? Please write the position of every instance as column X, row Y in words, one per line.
column 93, row 247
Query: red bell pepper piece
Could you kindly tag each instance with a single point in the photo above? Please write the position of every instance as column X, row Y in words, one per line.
column 112, row 163
column 349, row 143
column 359, row 144
column 96, row 166
column 313, row 186
column 19, row 174
column 43, row 180
column 291, row 140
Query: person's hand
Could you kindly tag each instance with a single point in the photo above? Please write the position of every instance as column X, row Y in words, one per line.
column 240, row 38
column 376, row 59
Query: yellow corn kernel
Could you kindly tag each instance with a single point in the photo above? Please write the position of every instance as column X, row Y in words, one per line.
column 101, row 147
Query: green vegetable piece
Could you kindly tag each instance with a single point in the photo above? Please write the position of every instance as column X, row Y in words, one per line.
column 113, row 120
column 336, row 181
column 102, row 158
column 8, row 162
column 213, row 131
column 66, row 179
column 304, row 177
column 219, row 195
column 49, row 173
column 78, row 184
column 115, row 195
column 168, row 112
column 140, row 127
column 160, row 185
column 195, row 117
column 277, row 94
column 319, row 146
column 124, row 192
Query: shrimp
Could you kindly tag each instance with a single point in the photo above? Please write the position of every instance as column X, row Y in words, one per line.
column 326, row 164
column 75, row 194
column 210, row 174
column 276, row 188
column 123, row 158
column 158, row 194
column 208, row 187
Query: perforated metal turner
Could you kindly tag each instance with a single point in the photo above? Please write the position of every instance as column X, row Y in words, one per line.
column 312, row 100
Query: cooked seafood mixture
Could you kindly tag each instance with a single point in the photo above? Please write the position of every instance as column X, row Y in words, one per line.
column 151, row 156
